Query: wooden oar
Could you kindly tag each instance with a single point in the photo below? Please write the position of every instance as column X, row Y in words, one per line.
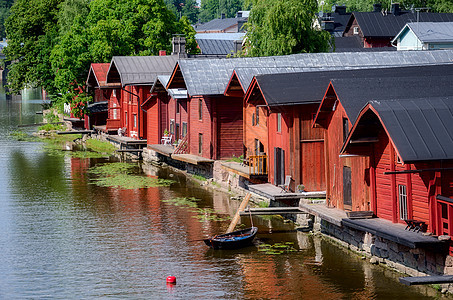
column 235, row 220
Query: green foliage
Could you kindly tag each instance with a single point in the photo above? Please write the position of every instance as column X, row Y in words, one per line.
column 5, row 6
column 51, row 127
column 280, row 27
column 19, row 135
column 237, row 159
column 199, row 177
column 263, row 204
column 100, row 146
column 184, row 8
column 445, row 6
column 210, row 9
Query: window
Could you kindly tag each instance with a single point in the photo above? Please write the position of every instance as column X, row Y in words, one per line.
column 402, row 199
column 398, row 160
column 115, row 111
column 135, row 121
column 125, row 118
column 279, row 122
column 253, row 119
column 345, row 129
column 200, row 143
column 184, row 129
column 355, row 30
column 172, row 126
column 177, row 106
column 200, row 109
column 257, row 116
column 114, row 93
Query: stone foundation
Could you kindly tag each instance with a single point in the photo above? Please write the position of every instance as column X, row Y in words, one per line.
column 413, row 262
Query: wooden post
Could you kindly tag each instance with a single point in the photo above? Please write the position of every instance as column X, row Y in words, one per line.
column 235, row 220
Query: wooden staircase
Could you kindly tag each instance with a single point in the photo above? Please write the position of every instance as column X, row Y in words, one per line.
column 182, row 146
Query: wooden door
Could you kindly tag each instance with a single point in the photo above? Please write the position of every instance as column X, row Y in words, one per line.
column 347, row 199
column 279, row 166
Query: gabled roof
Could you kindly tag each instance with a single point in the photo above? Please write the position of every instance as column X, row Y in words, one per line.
column 429, row 32
column 377, row 24
column 216, row 47
column 211, row 76
column 354, row 93
column 310, row 87
column 97, row 76
column 219, row 24
column 139, row 70
column 420, row 129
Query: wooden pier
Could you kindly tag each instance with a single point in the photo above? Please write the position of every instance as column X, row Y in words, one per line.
column 272, row 211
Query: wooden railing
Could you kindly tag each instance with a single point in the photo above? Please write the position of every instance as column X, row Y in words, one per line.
column 182, row 146
column 257, row 164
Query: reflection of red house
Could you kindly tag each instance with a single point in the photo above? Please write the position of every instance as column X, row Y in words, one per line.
column 136, row 74
column 410, row 146
column 166, row 110
column 348, row 178
column 105, row 106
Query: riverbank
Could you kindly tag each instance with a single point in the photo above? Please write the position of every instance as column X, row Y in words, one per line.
column 365, row 244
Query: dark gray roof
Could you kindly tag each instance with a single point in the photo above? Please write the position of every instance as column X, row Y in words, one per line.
column 218, row 24
column 310, row 87
column 139, row 70
column 211, row 76
column 433, row 32
column 217, row 47
column 421, row 129
column 233, row 36
column 354, row 93
column 377, row 24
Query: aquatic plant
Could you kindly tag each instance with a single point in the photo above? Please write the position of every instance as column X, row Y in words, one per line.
column 22, row 136
column 203, row 214
column 50, row 127
column 277, row 248
column 183, row 201
column 120, row 175
column 199, row 177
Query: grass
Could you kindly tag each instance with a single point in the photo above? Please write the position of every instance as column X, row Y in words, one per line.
column 263, row 204
column 100, row 146
column 238, row 159
column 50, row 127
column 199, row 177
column 22, row 136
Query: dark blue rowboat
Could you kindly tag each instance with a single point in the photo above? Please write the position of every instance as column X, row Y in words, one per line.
column 232, row 240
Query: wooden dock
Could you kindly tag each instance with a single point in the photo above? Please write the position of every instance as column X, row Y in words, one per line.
column 129, row 150
column 419, row 280
column 271, row 211
column 273, row 192
column 76, row 132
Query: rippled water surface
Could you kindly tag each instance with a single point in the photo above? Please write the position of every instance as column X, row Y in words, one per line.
column 64, row 237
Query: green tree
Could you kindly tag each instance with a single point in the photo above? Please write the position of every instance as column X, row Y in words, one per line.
column 443, row 6
column 279, row 27
column 5, row 6
column 212, row 9
column 31, row 30
column 184, row 8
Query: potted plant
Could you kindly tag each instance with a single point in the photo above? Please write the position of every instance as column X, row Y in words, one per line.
column 300, row 188
column 166, row 133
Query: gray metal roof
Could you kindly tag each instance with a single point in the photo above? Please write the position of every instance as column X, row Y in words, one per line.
column 232, row 36
column 218, row 24
column 174, row 93
column 219, row 47
column 211, row 76
column 139, row 70
column 433, row 32
column 421, row 129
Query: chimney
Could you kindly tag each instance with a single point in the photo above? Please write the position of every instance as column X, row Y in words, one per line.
column 339, row 9
column 179, row 46
column 239, row 14
column 396, row 9
column 241, row 23
column 162, row 52
column 377, row 7
column 222, row 16
column 237, row 46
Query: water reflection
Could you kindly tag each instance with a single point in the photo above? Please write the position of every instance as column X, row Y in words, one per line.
column 64, row 236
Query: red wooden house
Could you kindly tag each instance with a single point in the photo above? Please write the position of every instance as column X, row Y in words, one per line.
column 136, row 74
column 166, row 111
column 348, row 180
column 105, row 106
column 410, row 146
column 379, row 27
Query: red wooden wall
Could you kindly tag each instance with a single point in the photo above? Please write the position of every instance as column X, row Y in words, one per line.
column 255, row 131
column 229, row 127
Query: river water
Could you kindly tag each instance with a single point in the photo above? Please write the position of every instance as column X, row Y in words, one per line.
column 63, row 237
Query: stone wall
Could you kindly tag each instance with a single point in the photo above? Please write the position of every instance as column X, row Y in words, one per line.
column 413, row 262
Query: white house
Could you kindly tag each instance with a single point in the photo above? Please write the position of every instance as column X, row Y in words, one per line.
column 425, row 36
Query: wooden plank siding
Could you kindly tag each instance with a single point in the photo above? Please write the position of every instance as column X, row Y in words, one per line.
column 229, row 127
column 334, row 164
column 201, row 126
column 253, row 131
column 114, row 110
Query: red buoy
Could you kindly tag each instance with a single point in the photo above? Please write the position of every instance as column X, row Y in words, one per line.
column 171, row 279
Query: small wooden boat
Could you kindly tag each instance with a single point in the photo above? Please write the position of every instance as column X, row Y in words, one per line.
column 233, row 240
